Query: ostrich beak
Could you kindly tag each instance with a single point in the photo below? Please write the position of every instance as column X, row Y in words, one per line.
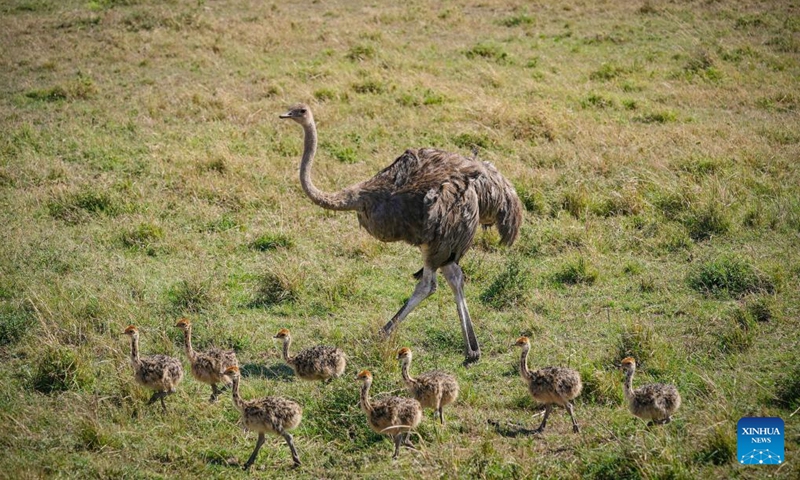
column 285, row 115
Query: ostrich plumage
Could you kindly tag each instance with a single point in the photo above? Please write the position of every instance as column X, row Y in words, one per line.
column 429, row 198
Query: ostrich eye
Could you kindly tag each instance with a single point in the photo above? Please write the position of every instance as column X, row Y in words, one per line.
column 302, row 111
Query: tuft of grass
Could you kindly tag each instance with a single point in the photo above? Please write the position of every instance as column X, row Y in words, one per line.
column 275, row 288
column 574, row 272
column 607, row 71
column 787, row 389
column 625, row 203
column 706, row 221
column 670, row 203
column 647, row 284
column 782, row 102
column 79, row 206
column 60, row 369
column 15, row 322
column 223, row 223
column 81, row 89
column 700, row 166
column 143, row 237
column 217, row 165
column 271, row 241
column 637, row 341
column 326, row 94
column 596, row 100
column 91, row 436
column 509, row 288
column 665, row 116
column 576, row 202
column 532, row 127
column 532, row 199
column 728, row 275
column 189, row 296
column 759, row 309
column 719, row 447
column 700, row 63
column 516, row 20
column 737, row 334
column 600, row 386
column 375, row 87
column 358, row 53
column 469, row 140
column 489, row 51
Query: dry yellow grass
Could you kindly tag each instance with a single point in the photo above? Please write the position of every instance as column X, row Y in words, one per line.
column 144, row 175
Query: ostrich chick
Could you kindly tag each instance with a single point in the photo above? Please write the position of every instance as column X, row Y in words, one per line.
column 156, row 372
column 655, row 402
column 208, row 367
column 321, row 362
column 550, row 385
column 393, row 416
column 275, row 415
column 433, row 389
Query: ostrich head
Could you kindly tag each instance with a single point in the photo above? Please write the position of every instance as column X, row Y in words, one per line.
column 364, row 376
column 522, row 341
column 131, row 330
column 300, row 113
column 183, row 324
column 282, row 333
column 232, row 371
column 404, row 354
column 628, row 363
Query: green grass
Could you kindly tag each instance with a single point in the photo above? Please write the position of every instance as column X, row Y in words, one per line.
column 145, row 176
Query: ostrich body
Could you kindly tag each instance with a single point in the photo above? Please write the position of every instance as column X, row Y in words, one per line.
column 433, row 389
column 321, row 362
column 550, row 385
column 428, row 198
column 655, row 402
column 276, row 415
column 393, row 416
column 208, row 367
column 156, row 372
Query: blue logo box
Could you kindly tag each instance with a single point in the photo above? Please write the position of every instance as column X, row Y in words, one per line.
column 759, row 441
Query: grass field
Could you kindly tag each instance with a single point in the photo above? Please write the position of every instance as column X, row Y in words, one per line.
column 145, row 176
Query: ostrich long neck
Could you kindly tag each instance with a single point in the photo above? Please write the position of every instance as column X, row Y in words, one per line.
column 187, row 335
column 343, row 200
column 237, row 400
column 135, row 351
column 365, row 405
column 286, row 342
column 523, row 363
column 404, row 371
column 627, row 387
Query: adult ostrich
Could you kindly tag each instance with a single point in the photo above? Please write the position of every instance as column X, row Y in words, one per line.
column 428, row 198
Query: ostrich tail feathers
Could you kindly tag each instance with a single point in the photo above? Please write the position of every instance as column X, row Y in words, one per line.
column 509, row 219
column 499, row 204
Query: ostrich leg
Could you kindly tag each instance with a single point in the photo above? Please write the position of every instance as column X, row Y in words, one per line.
column 455, row 278
column 425, row 287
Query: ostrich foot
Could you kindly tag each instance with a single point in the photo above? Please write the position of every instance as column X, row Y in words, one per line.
column 471, row 356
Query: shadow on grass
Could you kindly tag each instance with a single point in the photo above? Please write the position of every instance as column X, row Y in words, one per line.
column 274, row 372
column 511, row 429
